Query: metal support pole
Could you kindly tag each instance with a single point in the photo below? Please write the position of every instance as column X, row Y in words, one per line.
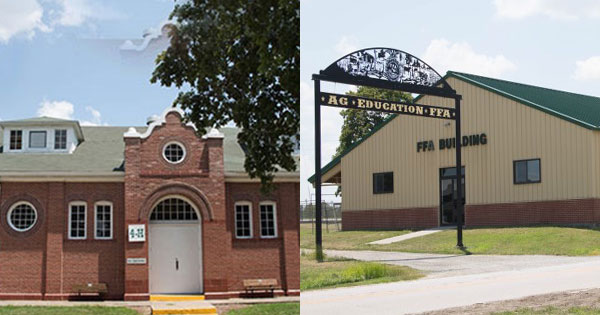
column 459, row 190
column 318, row 234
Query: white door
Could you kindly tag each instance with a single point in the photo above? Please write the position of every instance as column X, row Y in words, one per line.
column 175, row 258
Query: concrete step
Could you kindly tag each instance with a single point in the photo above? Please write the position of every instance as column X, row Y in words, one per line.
column 176, row 297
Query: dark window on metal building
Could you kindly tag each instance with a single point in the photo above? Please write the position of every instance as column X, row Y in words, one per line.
column 527, row 171
column 383, row 183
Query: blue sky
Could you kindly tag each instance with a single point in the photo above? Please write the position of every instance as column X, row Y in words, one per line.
column 65, row 58
column 550, row 43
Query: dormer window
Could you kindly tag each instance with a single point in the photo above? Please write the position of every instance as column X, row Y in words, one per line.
column 60, row 139
column 16, row 139
column 37, row 139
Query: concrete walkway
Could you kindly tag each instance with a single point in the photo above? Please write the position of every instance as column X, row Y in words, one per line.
column 439, row 265
column 440, row 293
column 410, row 235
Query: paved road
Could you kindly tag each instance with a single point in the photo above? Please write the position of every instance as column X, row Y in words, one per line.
column 444, row 292
column 437, row 265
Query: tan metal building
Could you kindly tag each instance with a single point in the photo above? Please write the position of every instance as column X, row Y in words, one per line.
column 531, row 155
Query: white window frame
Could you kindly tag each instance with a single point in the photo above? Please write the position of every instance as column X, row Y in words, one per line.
column 265, row 203
column 16, row 204
column 66, row 139
column 77, row 203
column 179, row 144
column 242, row 203
column 103, row 203
column 10, row 140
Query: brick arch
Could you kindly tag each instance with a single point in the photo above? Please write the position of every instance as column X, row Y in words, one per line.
column 190, row 192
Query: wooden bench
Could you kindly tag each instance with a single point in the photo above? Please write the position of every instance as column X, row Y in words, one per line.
column 91, row 288
column 260, row 284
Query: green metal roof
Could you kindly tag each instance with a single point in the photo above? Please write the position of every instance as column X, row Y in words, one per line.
column 103, row 152
column 583, row 110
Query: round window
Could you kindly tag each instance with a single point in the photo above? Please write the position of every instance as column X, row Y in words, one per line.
column 174, row 152
column 22, row 217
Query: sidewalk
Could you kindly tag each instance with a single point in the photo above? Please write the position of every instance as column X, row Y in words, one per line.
column 411, row 235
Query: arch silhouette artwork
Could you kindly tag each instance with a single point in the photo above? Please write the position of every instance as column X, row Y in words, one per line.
column 392, row 69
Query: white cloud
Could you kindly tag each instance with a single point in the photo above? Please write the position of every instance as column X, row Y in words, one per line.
column 96, row 118
column 56, row 109
column 20, row 17
column 443, row 55
column 76, row 12
column 556, row 9
column 346, row 45
column 66, row 109
column 588, row 69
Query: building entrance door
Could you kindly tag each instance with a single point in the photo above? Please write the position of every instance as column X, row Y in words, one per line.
column 448, row 195
column 175, row 251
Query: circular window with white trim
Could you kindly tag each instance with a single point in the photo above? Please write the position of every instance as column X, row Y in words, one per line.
column 174, row 152
column 22, row 216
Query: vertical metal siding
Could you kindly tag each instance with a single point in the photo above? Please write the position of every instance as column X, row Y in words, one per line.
column 568, row 153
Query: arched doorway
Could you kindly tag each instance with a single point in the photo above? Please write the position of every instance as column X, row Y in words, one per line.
column 175, row 247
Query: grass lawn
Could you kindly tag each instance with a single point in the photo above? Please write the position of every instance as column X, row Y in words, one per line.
column 65, row 310
column 568, row 241
column 343, row 240
column 552, row 311
column 271, row 309
column 507, row 241
column 337, row 272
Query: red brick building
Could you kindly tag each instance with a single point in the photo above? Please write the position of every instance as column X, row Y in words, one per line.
column 144, row 210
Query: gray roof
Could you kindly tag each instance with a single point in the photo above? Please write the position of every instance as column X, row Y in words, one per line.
column 103, row 152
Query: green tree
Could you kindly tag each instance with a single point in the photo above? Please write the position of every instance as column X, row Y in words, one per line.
column 359, row 123
column 238, row 60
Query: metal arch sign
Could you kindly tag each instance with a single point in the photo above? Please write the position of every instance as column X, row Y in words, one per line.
column 392, row 69
column 387, row 68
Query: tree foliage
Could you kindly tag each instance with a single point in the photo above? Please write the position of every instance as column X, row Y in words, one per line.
column 238, row 60
column 359, row 123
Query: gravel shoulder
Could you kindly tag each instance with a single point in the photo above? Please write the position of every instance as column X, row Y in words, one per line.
column 567, row 299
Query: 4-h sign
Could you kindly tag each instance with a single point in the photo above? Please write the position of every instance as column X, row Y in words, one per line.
column 392, row 69
column 137, row 232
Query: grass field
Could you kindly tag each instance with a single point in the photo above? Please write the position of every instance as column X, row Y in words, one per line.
column 65, row 310
column 553, row 311
column 337, row 272
column 568, row 241
column 271, row 309
column 343, row 240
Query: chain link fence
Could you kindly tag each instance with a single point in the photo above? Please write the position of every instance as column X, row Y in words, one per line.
column 331, row 214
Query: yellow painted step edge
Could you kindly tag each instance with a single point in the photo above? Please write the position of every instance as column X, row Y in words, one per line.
column 207, row 310
column 174, row 298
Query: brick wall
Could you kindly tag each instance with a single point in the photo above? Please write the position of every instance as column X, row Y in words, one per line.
column 390, row 219
column 257, row 257
column 576, row 211
column 43, row 262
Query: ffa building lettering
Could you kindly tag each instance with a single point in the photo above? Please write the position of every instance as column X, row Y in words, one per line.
column 531, row 155
column 143, row 210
